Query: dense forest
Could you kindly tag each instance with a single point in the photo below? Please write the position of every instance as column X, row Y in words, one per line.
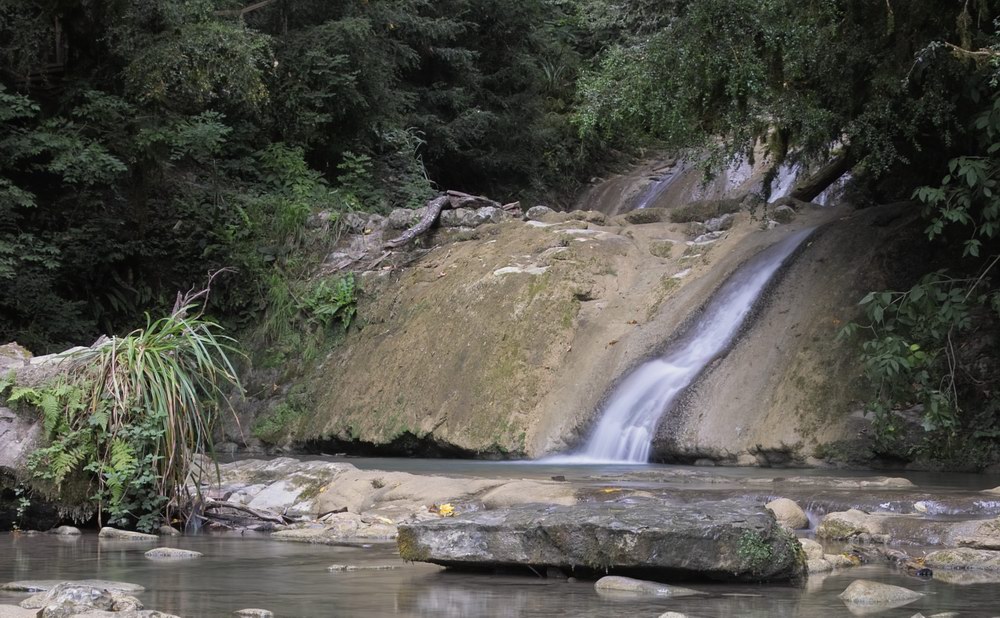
column 148, row 143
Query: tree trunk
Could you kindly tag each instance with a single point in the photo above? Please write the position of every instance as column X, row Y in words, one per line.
column 808, row 189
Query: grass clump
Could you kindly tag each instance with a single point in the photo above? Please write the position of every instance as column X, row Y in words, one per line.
column 128, row 416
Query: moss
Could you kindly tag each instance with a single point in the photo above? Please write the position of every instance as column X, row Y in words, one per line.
column 754, row 552
column 646, row 215
column 661, row 248
column 410, row 549
column 310, row 488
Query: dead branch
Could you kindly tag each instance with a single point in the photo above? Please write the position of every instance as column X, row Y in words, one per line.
column 450, row 199
column 211, row 505
column 244, row 10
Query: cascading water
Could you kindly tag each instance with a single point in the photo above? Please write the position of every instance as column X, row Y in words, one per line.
column 624, row 433
column 659, row 187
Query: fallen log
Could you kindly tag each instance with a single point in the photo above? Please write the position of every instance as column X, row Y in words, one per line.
column 211, row 505
column 434, row 208
column 450, row 199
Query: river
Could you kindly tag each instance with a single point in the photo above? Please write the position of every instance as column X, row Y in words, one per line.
column 292, row 579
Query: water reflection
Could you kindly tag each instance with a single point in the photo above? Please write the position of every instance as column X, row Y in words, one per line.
column 291, row 580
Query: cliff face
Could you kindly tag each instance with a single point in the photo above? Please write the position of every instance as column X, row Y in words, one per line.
column 506, row 344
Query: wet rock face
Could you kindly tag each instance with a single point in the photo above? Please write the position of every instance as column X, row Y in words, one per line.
column 724, row 540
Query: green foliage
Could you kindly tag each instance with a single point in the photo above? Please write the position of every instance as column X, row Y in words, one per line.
column 798, row 77
column 918, row 352
column 132, row 413
column 754, row 552
column 271, row 427
column 328, row 302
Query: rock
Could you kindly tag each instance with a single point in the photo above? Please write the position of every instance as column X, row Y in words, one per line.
column 468, row 217
column 13, row 611
column 404, row 218
column 964, row 558
column 706, row 239
column 44, row 585
column 65, row 531
column 865, row 594
column 68, row 598
column 172, row 553
column 125, row 603
column 721, row 223
column 18, row 437
column 813, row 550
column 615, row 584
column 145, row 613
column 788, row 513
column 168, row 531
column 107, row 532
column 354, row 222
column 783, row 214
column 336, row 529
column 14, row 355
column 673, row 615
column 334, row 568
column 818, row 565
column 644, row 215
column 845, row 525
column 253, row 612
column 724, row 540
column 980, row 535
column 842, row 561
column 537, row 213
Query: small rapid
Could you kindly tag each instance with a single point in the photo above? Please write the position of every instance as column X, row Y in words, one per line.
column 625, row 431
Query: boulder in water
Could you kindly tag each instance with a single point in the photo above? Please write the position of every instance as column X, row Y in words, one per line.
column 788, row 513
column 725, row 540
column 172, row 553
column 964, row 558
column 866, row 596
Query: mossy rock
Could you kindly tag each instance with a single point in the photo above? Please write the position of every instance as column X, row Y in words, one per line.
column 704, row 210
column 645, row 215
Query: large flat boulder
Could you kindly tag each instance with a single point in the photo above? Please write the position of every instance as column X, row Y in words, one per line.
column 724, row 540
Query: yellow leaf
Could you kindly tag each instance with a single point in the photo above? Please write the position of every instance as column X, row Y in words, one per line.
column 446, row 510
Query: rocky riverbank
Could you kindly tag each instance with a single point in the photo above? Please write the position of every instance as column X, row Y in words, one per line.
column 675, row 525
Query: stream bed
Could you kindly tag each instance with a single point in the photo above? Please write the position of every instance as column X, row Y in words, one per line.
column 292, row 580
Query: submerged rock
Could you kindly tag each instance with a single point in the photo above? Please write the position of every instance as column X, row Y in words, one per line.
column 253, row 612
column 107, row 532
column 65, row 531
column 723, row 540
column 349, row 568
column 43, row 585
column 867, row 595
column 67, row 599
column 616, row 585
column 168, row 531
column 172, row 553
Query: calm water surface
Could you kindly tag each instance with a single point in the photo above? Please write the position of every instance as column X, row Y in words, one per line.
column 291, row 579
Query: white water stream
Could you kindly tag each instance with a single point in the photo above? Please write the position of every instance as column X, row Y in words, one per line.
column 624, row 433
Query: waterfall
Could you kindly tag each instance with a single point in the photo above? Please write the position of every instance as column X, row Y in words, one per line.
column 657, row 188
column 624, row 433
